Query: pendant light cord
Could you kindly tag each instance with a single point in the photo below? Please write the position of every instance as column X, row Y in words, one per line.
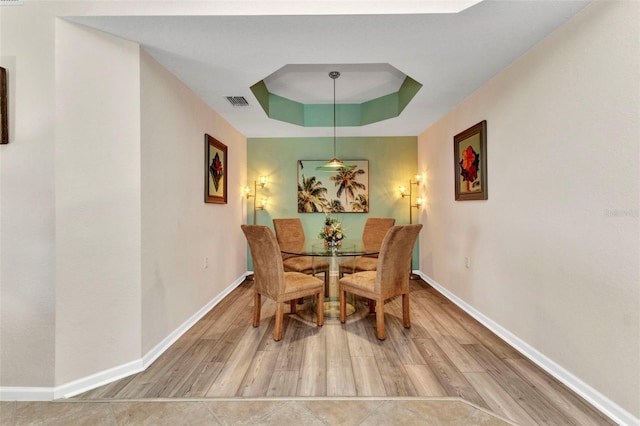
column 334, row 75
column 334, row 163
column 334, row 116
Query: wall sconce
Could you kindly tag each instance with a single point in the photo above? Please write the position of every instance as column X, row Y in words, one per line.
column 261, row 182
column 263, row 203
column 419, row 200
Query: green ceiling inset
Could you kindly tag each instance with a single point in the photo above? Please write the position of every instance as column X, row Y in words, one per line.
column 321, row 115
column 261, row 93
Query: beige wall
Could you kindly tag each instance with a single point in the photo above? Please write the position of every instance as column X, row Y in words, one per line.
column 178, row 229
column 554, row 250
column 97, row 208
column 103, row 227
column 27, row 270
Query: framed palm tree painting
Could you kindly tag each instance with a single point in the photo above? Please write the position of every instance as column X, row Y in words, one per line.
column 343, row 190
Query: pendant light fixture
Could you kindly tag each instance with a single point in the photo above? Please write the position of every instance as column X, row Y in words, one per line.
column 334, row 163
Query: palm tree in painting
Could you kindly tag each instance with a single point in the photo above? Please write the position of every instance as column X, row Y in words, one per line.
column 346, row 179
column 361, row 204
column 311, row 195
column 335, row 206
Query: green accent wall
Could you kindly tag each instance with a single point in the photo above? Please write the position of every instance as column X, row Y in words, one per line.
column 321, row 115
column 392, row 162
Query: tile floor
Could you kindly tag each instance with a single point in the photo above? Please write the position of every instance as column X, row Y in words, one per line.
column 259, row 411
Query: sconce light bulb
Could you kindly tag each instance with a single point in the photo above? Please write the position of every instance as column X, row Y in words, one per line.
column 263, row 203
column 263, row 180
column 403, row 190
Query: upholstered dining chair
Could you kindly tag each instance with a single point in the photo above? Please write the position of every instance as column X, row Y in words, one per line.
column 389, row 280
column 290, row 236
column 375, row 229
column 272, row 281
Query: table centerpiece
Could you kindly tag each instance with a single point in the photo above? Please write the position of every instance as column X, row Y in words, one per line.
column 331, row 232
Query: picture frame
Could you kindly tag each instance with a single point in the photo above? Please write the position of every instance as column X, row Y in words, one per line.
column 4, row 115
column 345, row 190
column 215, row 171
column 470, row 163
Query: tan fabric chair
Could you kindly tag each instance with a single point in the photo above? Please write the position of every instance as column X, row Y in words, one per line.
column 290, row 236
column 389, row 280
column 375, row 229
column 271, row 280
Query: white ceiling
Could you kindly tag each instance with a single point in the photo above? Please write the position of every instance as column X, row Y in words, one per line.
column 356, row 84
column 451, row 55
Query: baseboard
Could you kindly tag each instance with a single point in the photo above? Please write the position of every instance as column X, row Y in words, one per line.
column 21, row 393
column 595, row 398
column 98, row 379
column 101, row 378
column 159, row 349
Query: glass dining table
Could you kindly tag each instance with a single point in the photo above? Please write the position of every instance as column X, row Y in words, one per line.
column 345, row 255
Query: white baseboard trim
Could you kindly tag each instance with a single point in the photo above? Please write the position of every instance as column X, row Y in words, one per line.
column 159, row 349
column 107, row 376
column 595, row 398
column 22, row 393
column 98, row 379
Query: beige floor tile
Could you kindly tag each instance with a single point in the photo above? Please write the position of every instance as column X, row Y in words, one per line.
column 440, row 411
column 294, row 413
column 63, row 413
column 307, row 411
column 7, row 412
column 240, row 412
column 481, row 418
column 392, row 413
column 159, row 413
column 342, row 412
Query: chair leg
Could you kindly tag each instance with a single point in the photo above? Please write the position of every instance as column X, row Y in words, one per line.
column 405, row 311
column 320, row 313
column 277, row 331
column 256, row 308
column 380, row 320
column 292, row 303
column 343, row 306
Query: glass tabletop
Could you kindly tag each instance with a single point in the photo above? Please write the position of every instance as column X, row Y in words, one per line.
column 346, row 248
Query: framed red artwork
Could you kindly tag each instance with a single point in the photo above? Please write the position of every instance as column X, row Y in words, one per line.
column 470, row 163
column 215, row 171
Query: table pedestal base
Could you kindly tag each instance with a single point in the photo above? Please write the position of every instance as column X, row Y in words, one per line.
column 355, row 308
column 332, row 308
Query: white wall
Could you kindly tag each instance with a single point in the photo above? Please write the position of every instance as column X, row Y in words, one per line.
column 555, row 249
column 178, row 229
column 98, row 193
column 27, row 293
column 103, row 223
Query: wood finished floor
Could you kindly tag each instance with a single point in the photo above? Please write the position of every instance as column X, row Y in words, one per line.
column 446, row 353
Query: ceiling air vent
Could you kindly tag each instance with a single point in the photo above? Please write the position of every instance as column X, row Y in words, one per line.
column 11, row 2
column 237, row 101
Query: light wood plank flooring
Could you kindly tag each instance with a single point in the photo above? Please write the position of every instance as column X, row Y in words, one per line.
column 446, row 353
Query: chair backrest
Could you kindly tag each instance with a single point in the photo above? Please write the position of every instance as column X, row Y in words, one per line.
column 375, row 229
column 394, row 262
column 289, row 234
column 268, row 271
